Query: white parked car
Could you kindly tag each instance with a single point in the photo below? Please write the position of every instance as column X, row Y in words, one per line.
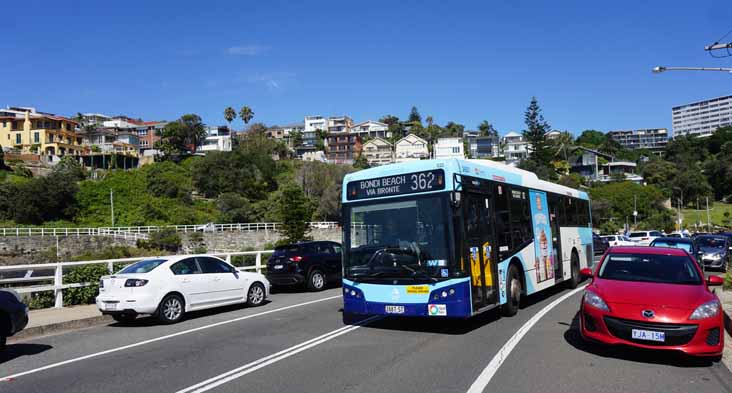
column 168, row 287
column 619, row 240
column 644, row 238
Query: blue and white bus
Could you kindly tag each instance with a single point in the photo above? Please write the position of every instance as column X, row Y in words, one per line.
column 453, row 237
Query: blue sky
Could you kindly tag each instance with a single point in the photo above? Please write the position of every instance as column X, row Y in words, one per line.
column 587, row 62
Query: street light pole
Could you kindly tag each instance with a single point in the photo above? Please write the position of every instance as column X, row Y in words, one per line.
column 111, row 201
column 660, row 69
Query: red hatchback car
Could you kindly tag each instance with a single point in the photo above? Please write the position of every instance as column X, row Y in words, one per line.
column 653, row 298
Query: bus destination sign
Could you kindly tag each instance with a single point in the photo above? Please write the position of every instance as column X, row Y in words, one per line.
column 407, row 183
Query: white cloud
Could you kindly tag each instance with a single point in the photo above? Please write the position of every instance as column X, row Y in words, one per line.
column 245, row 50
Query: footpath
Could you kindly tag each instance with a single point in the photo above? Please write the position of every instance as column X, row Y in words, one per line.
column 726, row 298
column 53, row 320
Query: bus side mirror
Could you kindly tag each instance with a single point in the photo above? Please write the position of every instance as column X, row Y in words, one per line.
column 586, row 272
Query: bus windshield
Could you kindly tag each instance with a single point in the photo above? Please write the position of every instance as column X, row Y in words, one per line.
column 398, row 240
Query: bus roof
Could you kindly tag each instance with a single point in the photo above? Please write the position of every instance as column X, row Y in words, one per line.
column 485, row 169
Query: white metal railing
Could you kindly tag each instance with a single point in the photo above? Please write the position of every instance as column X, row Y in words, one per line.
column 58, row 273
column 118, row 231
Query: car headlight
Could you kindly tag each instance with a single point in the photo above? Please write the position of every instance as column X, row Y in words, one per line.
column 714, row 256
column 594, row 300
column 706, row 310
column 135, row 282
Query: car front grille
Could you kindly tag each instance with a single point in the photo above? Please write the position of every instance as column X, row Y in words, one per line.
column 675, row 334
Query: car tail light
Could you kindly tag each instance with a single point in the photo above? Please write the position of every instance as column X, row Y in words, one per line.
column 646, row 238
column 135, row 282
column 296, row 259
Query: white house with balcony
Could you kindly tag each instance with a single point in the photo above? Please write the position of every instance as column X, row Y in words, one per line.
column 449, row 148
column 411, row 147
column 371, row 129
column 378, row 151
column 515, row 148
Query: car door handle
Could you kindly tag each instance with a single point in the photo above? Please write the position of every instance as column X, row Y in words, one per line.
column 217, row 279
column 185, row 281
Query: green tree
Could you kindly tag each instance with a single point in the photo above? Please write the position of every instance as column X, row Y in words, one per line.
column 661, row 174
column 295, row 211
column 178, row 135
column 396, row 129
column 70, row 168
column 360, row 162
column 234, row 208
column 563, row 145
column 487, row 129
column 229, row 115
column 540, row 153
column 296, row 139
column 168, row 180
column 591, row 139
column 193, row 130
column 414, row 116
column 453, row 129
column 246, row 114
column 166, row 239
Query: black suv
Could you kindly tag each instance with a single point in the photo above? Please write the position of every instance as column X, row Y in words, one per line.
column 311, row 263
column 13, row 314
column 599, row 244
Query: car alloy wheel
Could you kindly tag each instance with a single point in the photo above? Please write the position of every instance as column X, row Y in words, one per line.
column 171, row 310
column 255, row 297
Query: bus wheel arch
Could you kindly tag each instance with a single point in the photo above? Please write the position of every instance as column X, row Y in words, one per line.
column 522, row 274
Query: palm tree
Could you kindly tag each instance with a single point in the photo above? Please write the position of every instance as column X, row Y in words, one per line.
column 487, row 129
column 429, row 121
column 229, row 115
column 246, row 114
column 564, row 144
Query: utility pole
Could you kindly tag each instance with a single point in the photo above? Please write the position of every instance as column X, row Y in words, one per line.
column 635, row 212
column 111, row 201
column 709, row 221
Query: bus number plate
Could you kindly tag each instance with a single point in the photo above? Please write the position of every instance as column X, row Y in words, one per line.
column 394, row 309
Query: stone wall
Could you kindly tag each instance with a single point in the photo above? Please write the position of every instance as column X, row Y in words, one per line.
column 41, row 249
column 239, row 241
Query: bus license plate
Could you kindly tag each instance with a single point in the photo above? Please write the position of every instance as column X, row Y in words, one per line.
column 648, row 335
column 394, row 309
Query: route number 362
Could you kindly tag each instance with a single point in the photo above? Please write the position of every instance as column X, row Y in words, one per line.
column 422, row 181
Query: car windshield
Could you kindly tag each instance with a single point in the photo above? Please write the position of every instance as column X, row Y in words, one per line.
column 710, row 242
column 143, row 266
column 398, row 240
column 672, row 244
column 664, row 269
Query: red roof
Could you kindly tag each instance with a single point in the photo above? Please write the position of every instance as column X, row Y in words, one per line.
column 647, row 250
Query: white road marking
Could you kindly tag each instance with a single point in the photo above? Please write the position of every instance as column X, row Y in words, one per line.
column 97, row 354
column 485, row 377
column 251, row 367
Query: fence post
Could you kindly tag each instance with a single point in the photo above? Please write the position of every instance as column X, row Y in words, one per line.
column 228, row 259
column 259, row 262
column 41, row 231
column 110, row 266
column 58, row 279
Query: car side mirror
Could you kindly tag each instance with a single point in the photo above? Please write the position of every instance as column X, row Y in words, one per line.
column 715, row 281
column 586, row 272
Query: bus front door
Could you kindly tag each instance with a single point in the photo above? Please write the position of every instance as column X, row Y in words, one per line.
column 556, row 237
column 479, row 248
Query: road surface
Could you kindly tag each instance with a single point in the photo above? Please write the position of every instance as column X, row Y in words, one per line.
column 297, row 343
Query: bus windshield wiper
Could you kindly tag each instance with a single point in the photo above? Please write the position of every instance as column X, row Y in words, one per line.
column 418, row 273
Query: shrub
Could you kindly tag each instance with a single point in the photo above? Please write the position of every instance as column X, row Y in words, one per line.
column 727, row 281
column 84, row 274
column 166, row 239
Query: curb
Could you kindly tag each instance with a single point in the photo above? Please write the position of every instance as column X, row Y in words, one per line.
column 727, row 354
column 53, row 328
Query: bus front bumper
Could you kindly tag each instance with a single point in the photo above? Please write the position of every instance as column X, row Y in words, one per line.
column 355, row 302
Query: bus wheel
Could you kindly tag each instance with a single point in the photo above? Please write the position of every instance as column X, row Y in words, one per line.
column 574, row 266
column 349, row 318
column 513, row 292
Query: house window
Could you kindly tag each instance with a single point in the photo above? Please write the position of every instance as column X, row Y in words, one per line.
column 36, row 137
column 50, row 138
column 17, row 139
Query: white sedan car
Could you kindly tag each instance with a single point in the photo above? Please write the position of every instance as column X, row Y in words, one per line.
column 619, row 240
column 168, row 287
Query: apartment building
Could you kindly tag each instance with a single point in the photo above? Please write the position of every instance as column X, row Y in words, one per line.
column 371, row 129
column 449, row 148
column 30, row 131
column 149, row 133
column 701, row 118
column 378, row 151
column 516, row 148
column 339, row 124
column 653, row 139
column 343, row 148
column 311, row 126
